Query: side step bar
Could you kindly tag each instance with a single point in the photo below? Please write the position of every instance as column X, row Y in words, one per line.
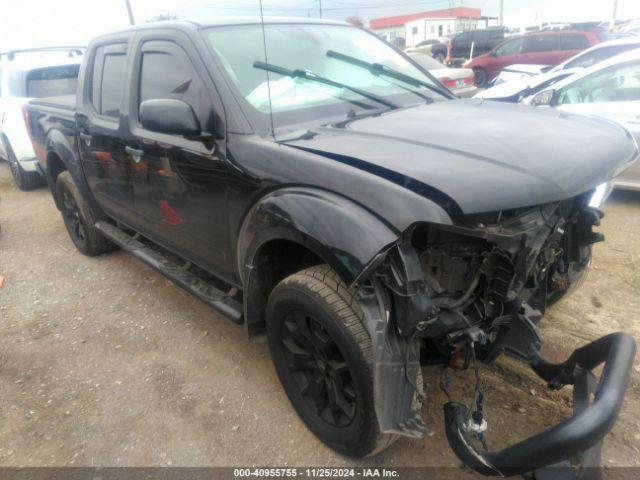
column 206, row 292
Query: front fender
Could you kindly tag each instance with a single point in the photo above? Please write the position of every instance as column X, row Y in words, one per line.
column 344, row 234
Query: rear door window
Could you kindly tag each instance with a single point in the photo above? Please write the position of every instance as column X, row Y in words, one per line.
column 573, row 41
column 108, row 79
column 52, row 81
column 541, row 43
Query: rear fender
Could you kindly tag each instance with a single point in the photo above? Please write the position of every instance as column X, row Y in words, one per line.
column 58, row 145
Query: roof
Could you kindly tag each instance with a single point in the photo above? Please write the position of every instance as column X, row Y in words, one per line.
column 220, row 21
column 388, row 22
column 198, row 23
column 194, row 24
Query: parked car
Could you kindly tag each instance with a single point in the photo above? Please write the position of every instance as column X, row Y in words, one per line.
column 459, row 81
column 337, row 200
column 474, row 43
column 433, row 47
column 584, row 59
column 543, row 48
column 515, row 90
column 609, row 89
column 24, row 74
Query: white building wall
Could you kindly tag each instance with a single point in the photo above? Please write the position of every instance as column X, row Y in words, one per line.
column 428, row 28
column 390, row 34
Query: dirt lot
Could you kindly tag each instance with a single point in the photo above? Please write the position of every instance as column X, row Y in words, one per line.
column 104, row 362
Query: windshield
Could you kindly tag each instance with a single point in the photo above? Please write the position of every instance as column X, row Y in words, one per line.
column 305, row 47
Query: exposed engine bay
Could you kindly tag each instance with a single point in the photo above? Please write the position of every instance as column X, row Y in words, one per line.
column 502, row 264
column 458, row 295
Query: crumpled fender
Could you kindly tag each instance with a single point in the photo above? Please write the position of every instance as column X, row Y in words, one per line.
column 338, row 230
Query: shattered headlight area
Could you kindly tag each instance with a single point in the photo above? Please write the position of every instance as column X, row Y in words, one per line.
column 458, row 295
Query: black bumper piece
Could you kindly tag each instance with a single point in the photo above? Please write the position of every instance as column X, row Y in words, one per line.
column 576, row 440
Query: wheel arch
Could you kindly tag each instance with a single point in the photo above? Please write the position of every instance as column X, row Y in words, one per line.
column 61, row 155
column 297, row 227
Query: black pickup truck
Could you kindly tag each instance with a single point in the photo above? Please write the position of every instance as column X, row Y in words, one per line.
column 327, row 192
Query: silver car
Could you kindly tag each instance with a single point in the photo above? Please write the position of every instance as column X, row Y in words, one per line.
column 610, row 89
column 460, row 81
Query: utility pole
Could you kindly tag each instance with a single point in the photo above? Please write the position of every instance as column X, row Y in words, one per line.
column 320, row 4
column 502, row 12
column 130, row 12
column 615, row 13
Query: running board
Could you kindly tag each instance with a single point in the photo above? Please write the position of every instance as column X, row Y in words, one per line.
column 206, row 292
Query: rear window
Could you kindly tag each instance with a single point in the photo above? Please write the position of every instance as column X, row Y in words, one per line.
column 426, row 61
column 463, row 37
column 52, row 81
column 112, row 78
column 573, row 42
column 108, row 78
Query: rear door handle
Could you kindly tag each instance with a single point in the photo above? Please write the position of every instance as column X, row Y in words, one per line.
column 135, row 153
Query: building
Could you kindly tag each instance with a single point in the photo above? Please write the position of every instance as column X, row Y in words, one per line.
column 410, row 29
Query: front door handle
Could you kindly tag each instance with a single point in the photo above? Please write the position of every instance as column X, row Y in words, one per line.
column 86, row 138
column 135, row 153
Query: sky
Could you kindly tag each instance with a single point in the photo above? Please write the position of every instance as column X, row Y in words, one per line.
column 29, row 23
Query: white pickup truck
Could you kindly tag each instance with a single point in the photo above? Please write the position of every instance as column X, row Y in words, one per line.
column 26, row 74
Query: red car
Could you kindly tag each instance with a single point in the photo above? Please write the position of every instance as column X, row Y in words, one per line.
column 540, row 48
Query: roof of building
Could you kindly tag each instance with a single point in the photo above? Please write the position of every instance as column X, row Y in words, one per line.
column 456, row 12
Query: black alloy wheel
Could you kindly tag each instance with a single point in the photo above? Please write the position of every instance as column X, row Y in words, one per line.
column 79, row 217
column 72, row 218
column 319, row 369
column 323, row 356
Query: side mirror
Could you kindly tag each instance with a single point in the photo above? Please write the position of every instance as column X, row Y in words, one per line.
column 170, row 116
column 545, row 97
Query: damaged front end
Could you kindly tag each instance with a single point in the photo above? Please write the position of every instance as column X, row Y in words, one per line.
column 464, row 294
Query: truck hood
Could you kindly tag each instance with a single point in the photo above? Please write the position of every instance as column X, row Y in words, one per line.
column 476, row 156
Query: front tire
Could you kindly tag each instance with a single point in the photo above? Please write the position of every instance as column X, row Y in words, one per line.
column 324, row 358
column 79, row 218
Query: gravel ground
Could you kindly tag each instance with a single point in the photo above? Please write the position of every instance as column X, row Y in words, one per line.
column 105, row 362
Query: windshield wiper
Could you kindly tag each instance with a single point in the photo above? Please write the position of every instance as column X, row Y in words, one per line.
column 316, row 78
column 379, row 69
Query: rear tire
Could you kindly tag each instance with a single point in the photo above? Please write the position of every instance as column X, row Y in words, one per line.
column 324, row 358
column 481, row 77
column 24, row 180
column 79, row 218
